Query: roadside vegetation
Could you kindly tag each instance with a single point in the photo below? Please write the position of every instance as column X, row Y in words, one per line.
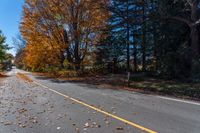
column 5, row 58
column 167, row 87
column 158, row 39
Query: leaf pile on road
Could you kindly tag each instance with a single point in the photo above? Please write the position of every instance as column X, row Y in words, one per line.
column 24, row 77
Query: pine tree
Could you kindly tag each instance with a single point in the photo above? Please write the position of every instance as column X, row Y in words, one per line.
column 3, row 46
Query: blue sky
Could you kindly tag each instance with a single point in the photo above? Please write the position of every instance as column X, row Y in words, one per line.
column 10, row 16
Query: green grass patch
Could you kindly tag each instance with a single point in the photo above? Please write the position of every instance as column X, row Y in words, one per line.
column 170, row 88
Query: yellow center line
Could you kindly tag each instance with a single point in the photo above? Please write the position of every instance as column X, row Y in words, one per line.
column 97, row 109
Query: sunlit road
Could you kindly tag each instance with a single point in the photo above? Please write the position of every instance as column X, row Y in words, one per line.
column 55, row 106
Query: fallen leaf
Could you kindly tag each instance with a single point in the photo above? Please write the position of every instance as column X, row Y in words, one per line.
column 86, row 125
column 7, row 123
column 120, row 128
column 77, row 130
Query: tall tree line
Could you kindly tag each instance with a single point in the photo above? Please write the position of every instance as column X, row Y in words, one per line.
column 160, row 37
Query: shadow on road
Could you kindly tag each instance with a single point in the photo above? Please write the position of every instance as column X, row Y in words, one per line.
column 110, row 82
column 147, row 86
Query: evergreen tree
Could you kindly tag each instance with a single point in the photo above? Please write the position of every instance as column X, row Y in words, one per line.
column 3, row 46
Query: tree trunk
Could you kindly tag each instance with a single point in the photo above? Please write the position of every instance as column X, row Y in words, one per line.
column 156, row 61
column 144, row 52
column 194, row 38
column 144, row 40
column 128, row 38
column 194, row 29
column 128, row 50
column 77, row 60
column 62, row 59
column 135, row 57
column 195, row 41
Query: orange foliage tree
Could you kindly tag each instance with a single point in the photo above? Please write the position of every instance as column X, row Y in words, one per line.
column 59, row 30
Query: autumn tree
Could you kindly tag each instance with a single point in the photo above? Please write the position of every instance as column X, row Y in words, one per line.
column 59, row 30
column 42, row 34
column 83, row 21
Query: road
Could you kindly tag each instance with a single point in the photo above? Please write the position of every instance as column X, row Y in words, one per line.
column 56, row 106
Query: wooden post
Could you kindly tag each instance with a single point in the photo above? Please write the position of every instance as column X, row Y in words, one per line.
column 128, row 78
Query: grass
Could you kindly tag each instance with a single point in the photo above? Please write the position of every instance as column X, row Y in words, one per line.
column 173, row 88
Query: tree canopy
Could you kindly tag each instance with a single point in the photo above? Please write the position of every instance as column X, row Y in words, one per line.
column 55, row 33
column 157, row 37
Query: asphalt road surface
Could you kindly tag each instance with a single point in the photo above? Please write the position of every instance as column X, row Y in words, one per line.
column 56, row 106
